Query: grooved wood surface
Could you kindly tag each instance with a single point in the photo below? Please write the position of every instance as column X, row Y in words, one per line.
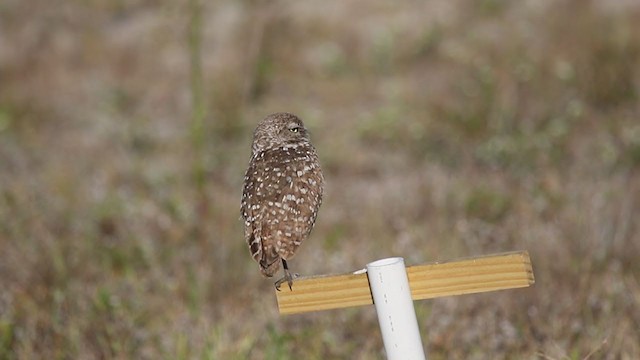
column 455, row 277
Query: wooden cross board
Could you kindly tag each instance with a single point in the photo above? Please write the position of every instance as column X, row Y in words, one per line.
column 455, row 277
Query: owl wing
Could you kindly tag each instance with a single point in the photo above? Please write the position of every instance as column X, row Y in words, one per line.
column 256, row 195
column 298, row 199
column 281, row 197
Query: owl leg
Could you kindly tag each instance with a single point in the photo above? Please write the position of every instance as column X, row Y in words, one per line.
column 287, row 276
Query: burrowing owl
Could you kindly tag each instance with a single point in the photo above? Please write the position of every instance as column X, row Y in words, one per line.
column 282, row 192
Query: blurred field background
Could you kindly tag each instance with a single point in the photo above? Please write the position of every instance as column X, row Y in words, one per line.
column 445, row 128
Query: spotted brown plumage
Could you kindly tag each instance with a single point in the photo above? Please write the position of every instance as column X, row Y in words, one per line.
column 282, row 192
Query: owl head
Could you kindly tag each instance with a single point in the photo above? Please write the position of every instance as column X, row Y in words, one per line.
column 277, row 130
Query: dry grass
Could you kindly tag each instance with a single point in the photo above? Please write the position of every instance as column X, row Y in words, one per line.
column 446, row 129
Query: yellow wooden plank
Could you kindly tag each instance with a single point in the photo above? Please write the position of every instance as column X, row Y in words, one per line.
column 457, row 277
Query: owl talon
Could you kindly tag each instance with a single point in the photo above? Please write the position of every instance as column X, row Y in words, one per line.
column 288, row 278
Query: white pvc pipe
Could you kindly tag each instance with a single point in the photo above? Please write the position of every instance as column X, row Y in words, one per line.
column 397, row 318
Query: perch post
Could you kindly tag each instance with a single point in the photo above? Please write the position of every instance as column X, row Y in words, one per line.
column 394, row 306
column 391, row 287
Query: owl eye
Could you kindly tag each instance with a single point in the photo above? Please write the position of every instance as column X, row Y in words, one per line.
column 295, row 129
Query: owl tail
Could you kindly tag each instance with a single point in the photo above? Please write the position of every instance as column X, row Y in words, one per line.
column 270, row 264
